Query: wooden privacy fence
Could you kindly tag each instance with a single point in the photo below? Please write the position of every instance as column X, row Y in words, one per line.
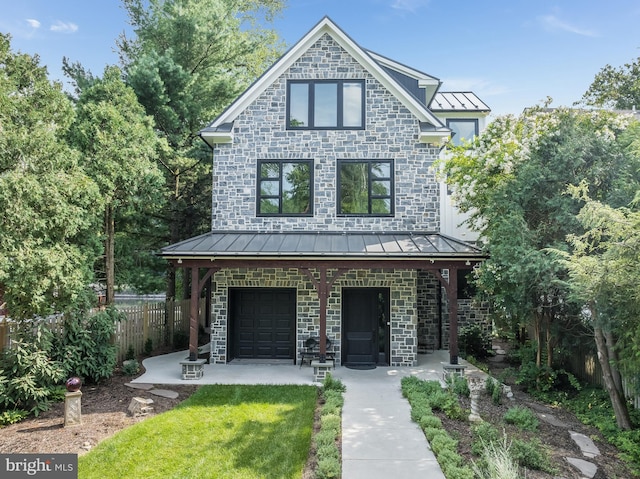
column 586, row 367
column 162, row 322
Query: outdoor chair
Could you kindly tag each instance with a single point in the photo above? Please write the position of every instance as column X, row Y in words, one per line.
column 311, row 351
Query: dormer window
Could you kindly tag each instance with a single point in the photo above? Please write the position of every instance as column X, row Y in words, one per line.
column 463, row 129
column 325, row 104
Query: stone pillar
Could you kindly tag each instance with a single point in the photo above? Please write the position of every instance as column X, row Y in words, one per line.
column 72, row 408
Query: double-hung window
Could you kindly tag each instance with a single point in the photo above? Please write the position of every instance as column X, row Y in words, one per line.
column 462, row 129
column 365, row 187
column 285, row 188
column 325, row 104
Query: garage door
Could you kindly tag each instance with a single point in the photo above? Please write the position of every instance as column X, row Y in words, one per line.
column 263, row 323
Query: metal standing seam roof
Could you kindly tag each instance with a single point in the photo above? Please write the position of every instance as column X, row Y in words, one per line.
column 323, row 244
column 457, row 101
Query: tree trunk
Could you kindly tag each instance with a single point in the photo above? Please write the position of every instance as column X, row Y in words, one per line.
column 537, row 330
column 616, row 395
column 109, row 255
column 613, row 359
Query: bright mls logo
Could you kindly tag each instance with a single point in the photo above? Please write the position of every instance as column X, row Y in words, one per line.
column 49, row 466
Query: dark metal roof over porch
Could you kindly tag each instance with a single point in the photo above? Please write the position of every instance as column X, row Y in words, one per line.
column 322, row 245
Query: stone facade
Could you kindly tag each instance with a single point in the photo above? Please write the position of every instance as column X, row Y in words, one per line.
column 390, row 133
column 260, row 133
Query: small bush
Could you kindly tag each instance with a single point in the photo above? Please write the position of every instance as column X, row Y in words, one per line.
column 483, row 434
column 130, row 367
column 131, row 354
column 325, row 438
column 148, row 347
column 331, row 422
column 497, row 462
column 522, row 418
column 473, row 341
column 443, row 442
column 459, row 385
column 13, row 416
column 328, row 468
column 531, row 454
column 332, row 384
column 430, row 421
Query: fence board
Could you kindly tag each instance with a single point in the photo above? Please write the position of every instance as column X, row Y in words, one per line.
column 157, row 321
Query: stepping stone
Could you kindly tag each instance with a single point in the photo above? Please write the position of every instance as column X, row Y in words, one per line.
column 143, row 386
column 586, row 468
column 165, row 393
column 551, row 419
column 586, row 445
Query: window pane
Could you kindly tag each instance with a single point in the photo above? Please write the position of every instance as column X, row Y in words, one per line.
column 269, row 170
column 463, row 129
column 381, row 188
column 298, row 104
column 380, row 206
column 325, row 105
column 381, row 170
column 269, row 206
column 296, row 182
column 354, row 188
column 269, row 188
column 352, row 104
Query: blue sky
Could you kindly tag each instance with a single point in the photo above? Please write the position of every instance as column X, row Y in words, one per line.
column 511, row 53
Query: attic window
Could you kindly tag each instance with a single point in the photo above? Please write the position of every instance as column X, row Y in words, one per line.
column 462, row 129
column 325, row 104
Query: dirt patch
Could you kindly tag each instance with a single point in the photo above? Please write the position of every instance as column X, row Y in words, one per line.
column 104, row 413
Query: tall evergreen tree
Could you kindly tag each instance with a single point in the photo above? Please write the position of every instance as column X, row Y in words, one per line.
column 49, row 206
column 187, row 61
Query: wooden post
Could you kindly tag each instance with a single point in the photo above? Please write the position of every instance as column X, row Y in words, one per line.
column 193, row 313
column 452, row 296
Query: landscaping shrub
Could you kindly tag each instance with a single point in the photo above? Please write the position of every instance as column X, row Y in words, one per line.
column 329, row 462
column 531, row 454
column 148, row 347
column 496, row 462
column 27, row 374
column 459, row 385
column 483, row 433
column 85, row 349
column 443, row 442
column 130, row 367
column 522, row 418
column 13, row 416
column 473, row 341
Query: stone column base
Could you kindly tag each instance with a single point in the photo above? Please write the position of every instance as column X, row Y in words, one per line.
column 72, row 409
column 320, row 370
column 193, row 369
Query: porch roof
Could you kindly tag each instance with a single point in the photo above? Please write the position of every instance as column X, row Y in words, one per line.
column 322, row 245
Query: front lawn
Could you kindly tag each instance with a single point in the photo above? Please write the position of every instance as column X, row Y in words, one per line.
column 234, row 432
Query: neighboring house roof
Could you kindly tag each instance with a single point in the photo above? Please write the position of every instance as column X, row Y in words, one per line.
column 221, row 131
column 325, row 245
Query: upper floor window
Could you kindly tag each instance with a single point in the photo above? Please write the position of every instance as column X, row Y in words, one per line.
column 285, row 187
column 325, row 104
column 462, row 129
column 365, row 187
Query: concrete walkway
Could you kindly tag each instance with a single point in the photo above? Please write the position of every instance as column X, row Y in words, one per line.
column 379, row 440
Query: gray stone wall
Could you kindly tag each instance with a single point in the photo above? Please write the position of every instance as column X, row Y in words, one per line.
column 260, row 133
column 401, row 284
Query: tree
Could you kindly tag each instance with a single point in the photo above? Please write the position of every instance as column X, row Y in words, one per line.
column 49, row 206
column 615, row 87
column 604, row 269
column 513, row 179
column 119, row 147
column 188, row 60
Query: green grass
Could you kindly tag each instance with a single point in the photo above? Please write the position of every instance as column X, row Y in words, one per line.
column 231, row 432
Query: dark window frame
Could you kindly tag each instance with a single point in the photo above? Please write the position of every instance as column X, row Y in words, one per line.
column 260, row 179
column 457, row 141
column 339, row 100
column 466, row 287
column 370, row 181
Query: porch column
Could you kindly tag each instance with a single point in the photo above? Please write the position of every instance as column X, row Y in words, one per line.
column 452, row 297
column 323, row 286
column 193, row 313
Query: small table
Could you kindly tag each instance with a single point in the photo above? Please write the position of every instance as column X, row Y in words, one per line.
column 193, row 369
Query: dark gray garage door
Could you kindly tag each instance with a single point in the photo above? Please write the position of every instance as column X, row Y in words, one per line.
column 263, row 322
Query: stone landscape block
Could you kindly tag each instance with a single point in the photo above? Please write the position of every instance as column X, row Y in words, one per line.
column 586, row 445
column 140, row 406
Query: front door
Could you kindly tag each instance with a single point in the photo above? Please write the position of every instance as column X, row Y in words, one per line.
column 365, row 318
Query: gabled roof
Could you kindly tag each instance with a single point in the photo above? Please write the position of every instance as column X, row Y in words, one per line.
column 322, row 245
column 219, row 130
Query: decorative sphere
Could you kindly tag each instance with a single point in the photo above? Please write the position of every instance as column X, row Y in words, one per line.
column 73, row 384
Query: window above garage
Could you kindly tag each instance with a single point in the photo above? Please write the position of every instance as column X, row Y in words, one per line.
column 325, row 104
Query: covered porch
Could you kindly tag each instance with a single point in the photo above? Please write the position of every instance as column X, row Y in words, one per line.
column 322, row 260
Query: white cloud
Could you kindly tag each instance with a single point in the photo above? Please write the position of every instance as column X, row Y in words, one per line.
column 408, row 5
column 64, row 27
column 552, row 22
column 33, row 23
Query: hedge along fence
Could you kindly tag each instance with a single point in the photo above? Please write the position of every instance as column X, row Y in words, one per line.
column 161, row 322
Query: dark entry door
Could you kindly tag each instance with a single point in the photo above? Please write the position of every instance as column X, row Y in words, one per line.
column 365, row 316
column 263, row 323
